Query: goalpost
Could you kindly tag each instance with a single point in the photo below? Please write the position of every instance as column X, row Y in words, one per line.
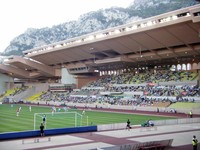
column 59, row 120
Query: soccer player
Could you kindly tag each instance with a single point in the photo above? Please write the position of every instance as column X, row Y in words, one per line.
column 83, row 112
column 44, row 119
column 128, row 125
column 30, row 108
column 18, row 110
column 53, row 109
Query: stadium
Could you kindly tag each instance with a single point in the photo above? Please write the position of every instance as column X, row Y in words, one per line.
column 149, row 69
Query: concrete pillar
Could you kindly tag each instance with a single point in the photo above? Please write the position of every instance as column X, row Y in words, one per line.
column 6, row 83
column 67, row 78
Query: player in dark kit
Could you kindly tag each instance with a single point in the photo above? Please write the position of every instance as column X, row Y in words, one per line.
column 42, row 129
column 128, row 125
column 44, row 119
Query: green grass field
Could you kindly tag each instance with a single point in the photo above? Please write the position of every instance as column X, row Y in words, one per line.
column 185, row 105
column 9, row 122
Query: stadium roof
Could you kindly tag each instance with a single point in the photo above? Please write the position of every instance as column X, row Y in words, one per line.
column 169, row 38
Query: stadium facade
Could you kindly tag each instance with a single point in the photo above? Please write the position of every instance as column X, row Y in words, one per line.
column 170, row 39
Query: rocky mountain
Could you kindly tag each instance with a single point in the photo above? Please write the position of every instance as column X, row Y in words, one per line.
column 93, row 21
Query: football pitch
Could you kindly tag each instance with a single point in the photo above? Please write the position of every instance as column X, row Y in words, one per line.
column 10, row 122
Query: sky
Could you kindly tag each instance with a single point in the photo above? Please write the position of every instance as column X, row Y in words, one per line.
column 19, row 15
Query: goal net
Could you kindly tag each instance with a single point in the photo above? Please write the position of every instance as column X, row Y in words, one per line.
column 59, row 120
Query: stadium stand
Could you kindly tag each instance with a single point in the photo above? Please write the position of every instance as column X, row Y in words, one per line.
column 142, row 93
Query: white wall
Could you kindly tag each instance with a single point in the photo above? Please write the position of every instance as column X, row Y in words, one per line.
column 67, row 78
